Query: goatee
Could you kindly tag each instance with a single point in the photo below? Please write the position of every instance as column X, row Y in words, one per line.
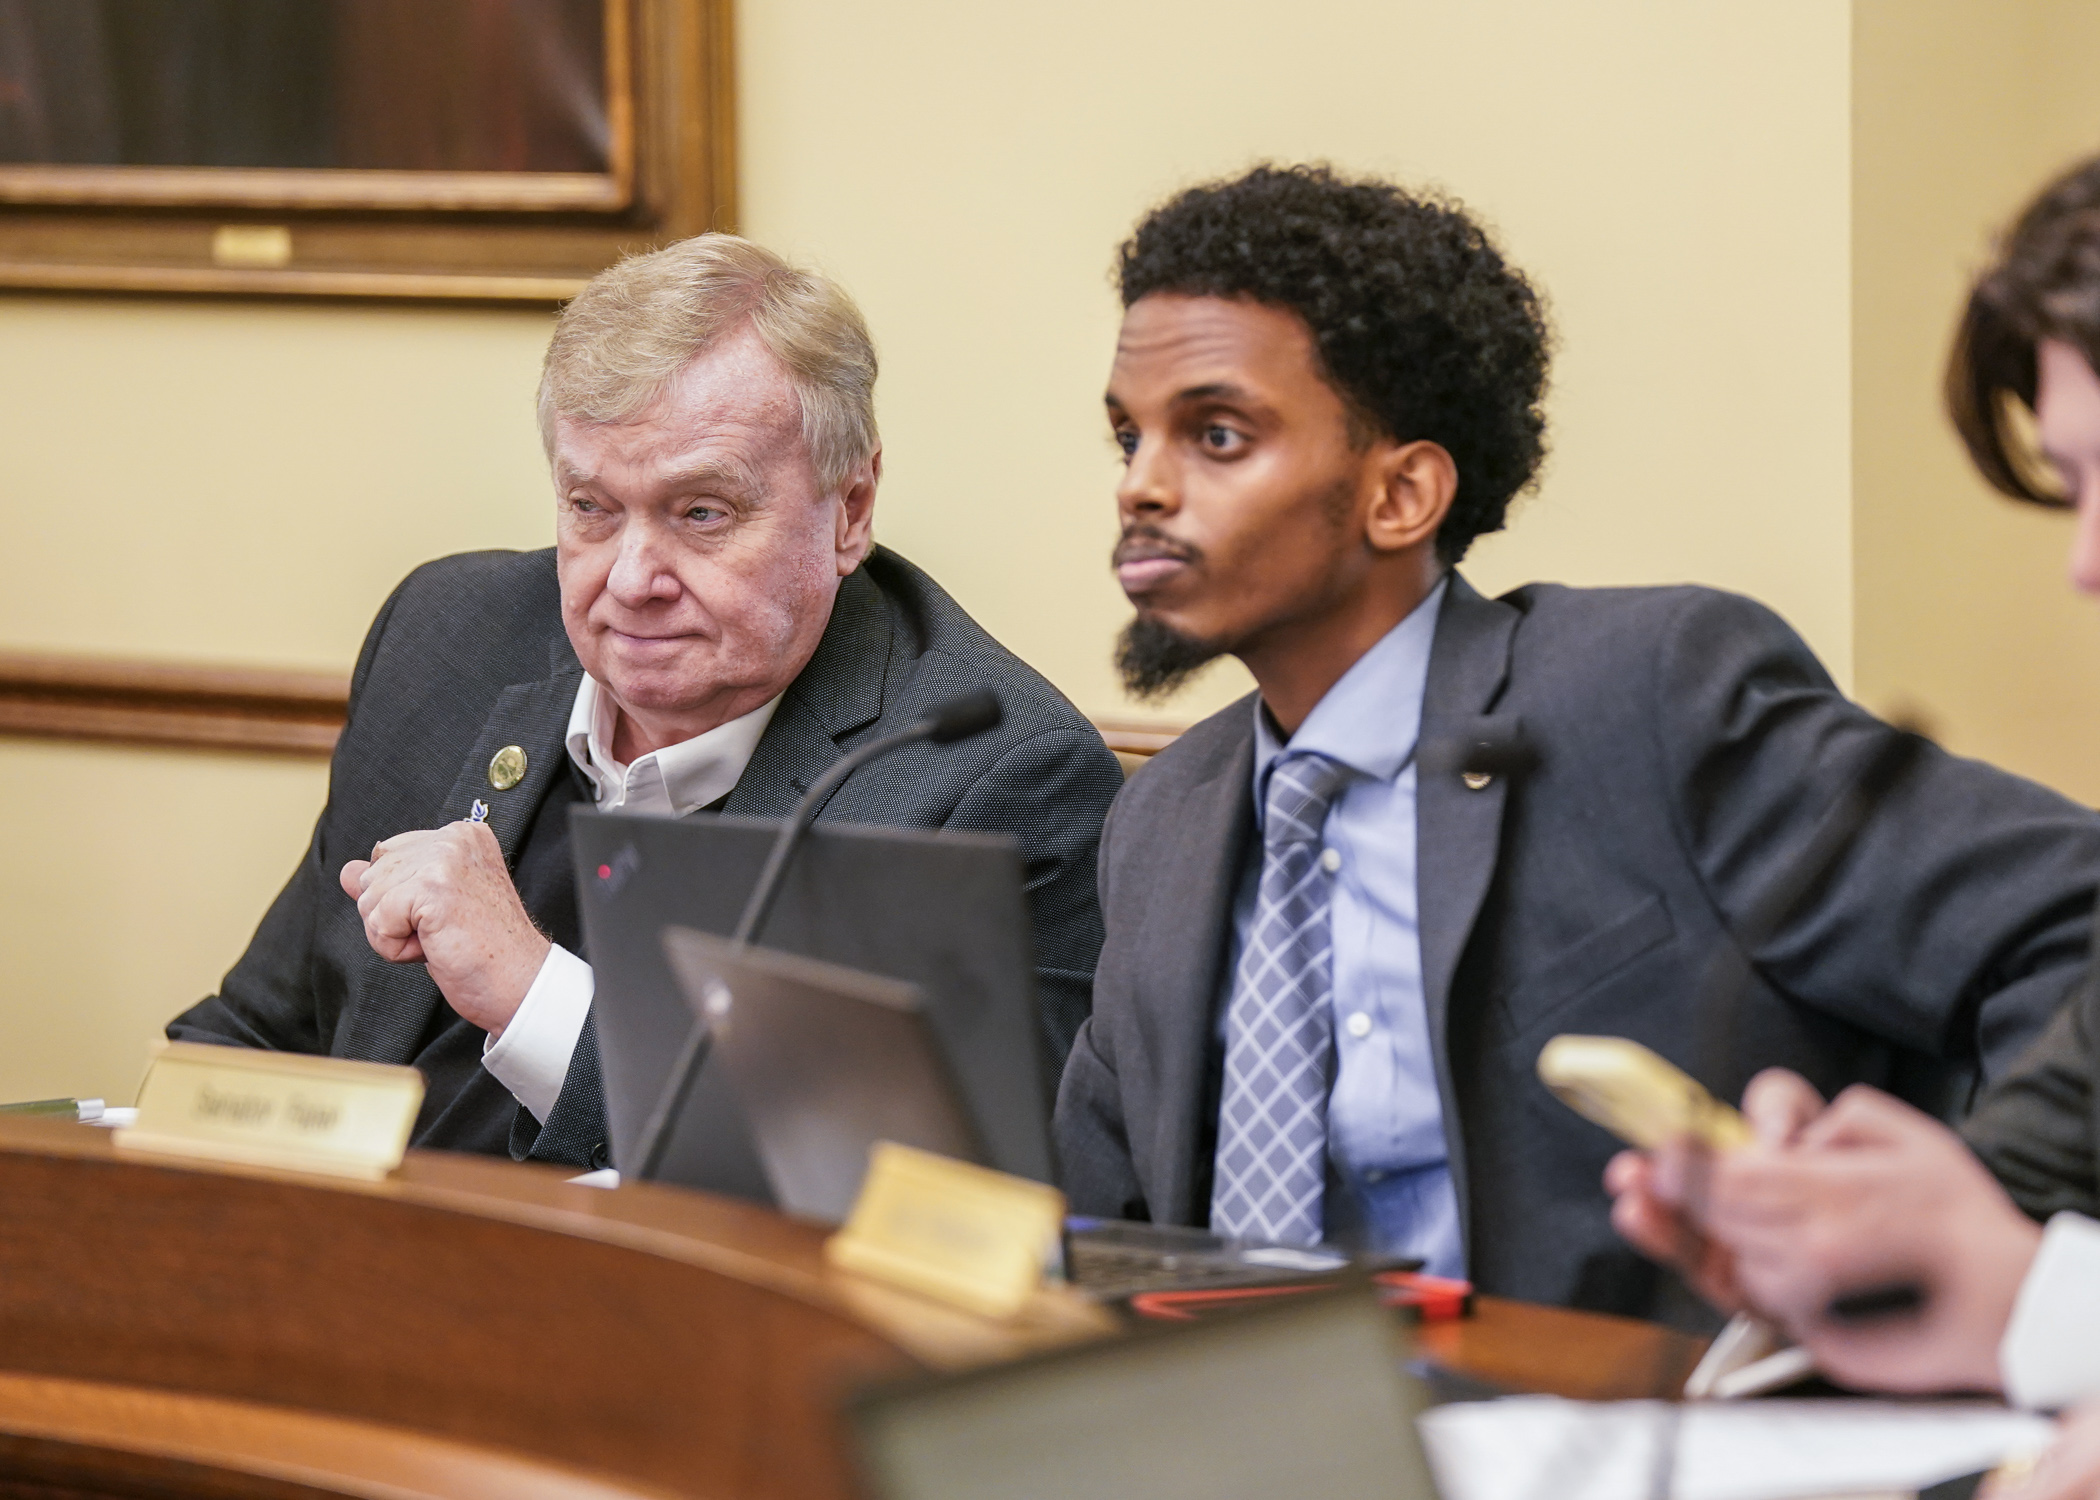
column 1155, row 659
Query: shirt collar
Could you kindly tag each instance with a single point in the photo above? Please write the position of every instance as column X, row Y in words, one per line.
column 676, row 779
column 1371, row 718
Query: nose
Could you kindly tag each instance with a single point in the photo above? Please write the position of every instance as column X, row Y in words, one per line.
column 641, row 570
column 2085, row 538
column 1147, row 490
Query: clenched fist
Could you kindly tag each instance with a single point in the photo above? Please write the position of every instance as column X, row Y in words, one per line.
column 443, row 897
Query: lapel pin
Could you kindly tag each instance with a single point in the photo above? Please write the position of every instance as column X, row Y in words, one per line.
column 1476, row 781
column 479, row 813
column 507, row 768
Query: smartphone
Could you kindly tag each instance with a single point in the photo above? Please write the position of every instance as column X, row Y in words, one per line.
column 1636, row 1095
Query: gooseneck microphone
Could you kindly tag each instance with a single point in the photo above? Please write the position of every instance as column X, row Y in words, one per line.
column 952, row 719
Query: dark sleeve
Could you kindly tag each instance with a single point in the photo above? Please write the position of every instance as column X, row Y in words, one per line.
column 1959, row 919
column 268, row 999
column 1093, row 1153
column 575, row 1133
column 1093, row 1148
column 1050, row 794
column 2035, row 1127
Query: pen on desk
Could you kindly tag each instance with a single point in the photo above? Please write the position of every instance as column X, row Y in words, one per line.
column 77, row 1109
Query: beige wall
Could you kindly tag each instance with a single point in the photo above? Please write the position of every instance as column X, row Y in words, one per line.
column 1961, row 109
column 219, row 482
column 244, row 482
column 1675, row 176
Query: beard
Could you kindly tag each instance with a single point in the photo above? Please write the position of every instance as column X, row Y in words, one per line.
column 1155, row 660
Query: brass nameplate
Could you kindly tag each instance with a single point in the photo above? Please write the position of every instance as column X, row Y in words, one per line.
column 276, row 1109
column 264, row 246
column 945, row 1229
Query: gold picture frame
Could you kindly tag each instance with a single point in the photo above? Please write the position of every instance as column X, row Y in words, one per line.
column 489, row 236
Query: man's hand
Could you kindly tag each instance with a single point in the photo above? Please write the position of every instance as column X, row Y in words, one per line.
column 1873, row 1194
column 1866, row 1194
column 1657, row 1201
column 443, row 896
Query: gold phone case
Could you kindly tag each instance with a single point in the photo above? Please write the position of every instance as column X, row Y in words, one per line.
column 1635, row 1094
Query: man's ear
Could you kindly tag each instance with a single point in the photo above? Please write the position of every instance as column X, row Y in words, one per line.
column 1416, row 484
column 856, row 530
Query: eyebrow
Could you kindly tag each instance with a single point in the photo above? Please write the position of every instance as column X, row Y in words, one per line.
column 719, row 473
column 1217, row 390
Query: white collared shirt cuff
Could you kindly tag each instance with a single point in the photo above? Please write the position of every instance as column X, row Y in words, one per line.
column 531, row 1058
column 2050, row 1356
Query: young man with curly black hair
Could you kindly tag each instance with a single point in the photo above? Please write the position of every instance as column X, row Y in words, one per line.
column 1344, row 914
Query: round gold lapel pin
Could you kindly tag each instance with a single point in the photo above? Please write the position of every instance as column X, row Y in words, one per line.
column 507, row 769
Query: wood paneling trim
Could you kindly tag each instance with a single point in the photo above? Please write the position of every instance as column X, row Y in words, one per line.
column 237, row 708
column 159, row 703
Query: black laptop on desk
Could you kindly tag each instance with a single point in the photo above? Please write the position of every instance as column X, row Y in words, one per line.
column 910, row 1016
column 941, row 911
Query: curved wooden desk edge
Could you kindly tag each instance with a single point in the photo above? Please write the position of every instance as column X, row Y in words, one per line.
column 1521, row 1346
column 729, row 1238
column 640, row 1340
column 88, row 1435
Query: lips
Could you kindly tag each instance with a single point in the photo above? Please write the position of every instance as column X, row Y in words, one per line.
column 1147, row 563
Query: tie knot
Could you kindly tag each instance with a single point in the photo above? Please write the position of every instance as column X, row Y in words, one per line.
column 1301, row 787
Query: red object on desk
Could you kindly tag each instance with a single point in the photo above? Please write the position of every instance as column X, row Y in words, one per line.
column 1433, row 1299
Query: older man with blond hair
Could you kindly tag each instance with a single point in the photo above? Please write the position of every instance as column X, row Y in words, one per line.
column 713, row 629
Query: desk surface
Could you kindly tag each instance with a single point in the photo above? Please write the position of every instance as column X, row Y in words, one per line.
column 475, row 1327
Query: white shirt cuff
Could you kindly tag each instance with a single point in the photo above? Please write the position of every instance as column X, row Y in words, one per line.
column 531, row 1058
column 2050, row 1356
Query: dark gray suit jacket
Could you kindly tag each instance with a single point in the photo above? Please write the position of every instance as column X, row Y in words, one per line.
column 1687, row 744
column 2038, row 1127
column 469, row 655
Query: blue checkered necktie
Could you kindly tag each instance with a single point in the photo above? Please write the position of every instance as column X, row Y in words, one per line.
column 1279, row 1027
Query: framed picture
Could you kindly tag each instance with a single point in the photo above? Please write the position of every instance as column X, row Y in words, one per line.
column 489, row 150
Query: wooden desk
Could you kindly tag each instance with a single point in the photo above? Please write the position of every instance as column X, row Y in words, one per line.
column 477, row 1328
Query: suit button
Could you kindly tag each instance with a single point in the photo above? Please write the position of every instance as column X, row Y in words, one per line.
column 600, row 1157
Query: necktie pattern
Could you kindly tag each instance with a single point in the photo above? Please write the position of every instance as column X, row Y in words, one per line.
column 1279, row 1027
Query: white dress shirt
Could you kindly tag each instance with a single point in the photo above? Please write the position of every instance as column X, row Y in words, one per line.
column 531, row 1057
column 2051, row 1353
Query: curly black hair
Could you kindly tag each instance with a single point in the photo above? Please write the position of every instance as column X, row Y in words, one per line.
column 2043, row 284
column 1422, row 326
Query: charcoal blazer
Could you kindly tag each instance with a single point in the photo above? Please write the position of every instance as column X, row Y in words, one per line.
column 469, row 655
column 1686, row 743
column 2038, row 1127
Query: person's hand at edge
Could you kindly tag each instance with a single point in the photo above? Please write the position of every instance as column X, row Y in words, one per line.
column 1872, row 1195
column 1656, row 1200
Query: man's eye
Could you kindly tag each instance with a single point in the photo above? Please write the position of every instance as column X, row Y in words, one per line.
column 584, row 506
column 1219, row 438
column 1127, row 441
column 703, row 514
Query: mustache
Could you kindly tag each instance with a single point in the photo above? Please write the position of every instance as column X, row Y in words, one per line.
column 1142, row 542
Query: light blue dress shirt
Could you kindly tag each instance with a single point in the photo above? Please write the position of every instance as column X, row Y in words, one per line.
column 1389, row 1175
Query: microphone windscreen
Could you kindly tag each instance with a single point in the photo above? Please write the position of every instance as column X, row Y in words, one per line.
column 960, row 717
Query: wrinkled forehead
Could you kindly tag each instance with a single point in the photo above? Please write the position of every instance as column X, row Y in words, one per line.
column 732, row 405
